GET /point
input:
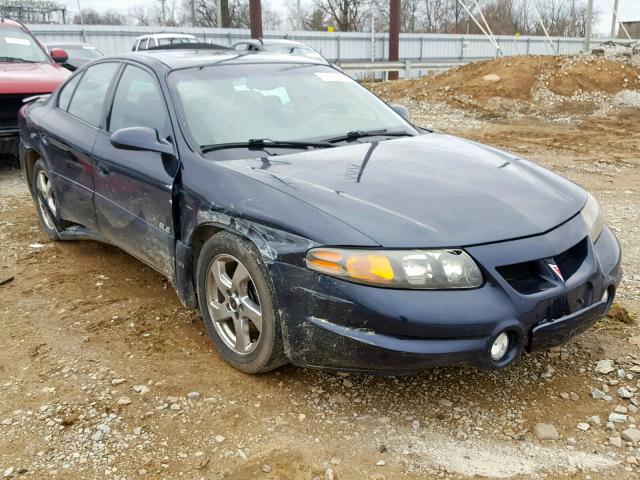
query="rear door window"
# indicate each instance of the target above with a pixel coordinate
(88, 100)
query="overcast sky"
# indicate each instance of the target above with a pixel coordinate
(627, 9)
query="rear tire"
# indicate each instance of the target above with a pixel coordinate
(238, 305)
(44, 197)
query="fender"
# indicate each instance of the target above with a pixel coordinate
(270, 242)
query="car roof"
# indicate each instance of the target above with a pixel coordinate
(277, 41)
(5, 22)
(272, 41)
(176, 59)
(166, 35)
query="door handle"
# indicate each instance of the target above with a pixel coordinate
(103, 170)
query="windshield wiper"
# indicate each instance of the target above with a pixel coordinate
(16, 59)
(368, 133)
(262, 143)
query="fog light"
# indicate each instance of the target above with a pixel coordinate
(500, 347)
(605, 296)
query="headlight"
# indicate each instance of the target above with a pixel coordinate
(592, 216)
(418, 269)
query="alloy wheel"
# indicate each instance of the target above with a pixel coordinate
(46, 201)
(234, 304)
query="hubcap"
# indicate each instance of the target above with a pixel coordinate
(45, 199)
(234, 304)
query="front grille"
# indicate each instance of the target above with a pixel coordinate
(536, 276)
(9, 106)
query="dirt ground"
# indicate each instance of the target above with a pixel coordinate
(104, 374)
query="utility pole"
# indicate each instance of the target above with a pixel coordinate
(219, 13)
(394, 34)
(255, 18)
(587, 27)
(193, 13)
(614, 19)
(299, 14)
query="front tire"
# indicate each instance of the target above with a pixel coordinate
(238, 305)
(46, 205)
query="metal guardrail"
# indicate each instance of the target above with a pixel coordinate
(399, 66)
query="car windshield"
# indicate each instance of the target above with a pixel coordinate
(279, 102)
(293, 50)
(16, 45)
(82, 52)
(175, 40)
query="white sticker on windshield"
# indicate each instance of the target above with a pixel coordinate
(17, 41)
(88, 47)
(332, 77)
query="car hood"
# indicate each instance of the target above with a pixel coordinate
(24, 78)
(432, 190)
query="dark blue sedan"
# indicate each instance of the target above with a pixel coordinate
(309, 221)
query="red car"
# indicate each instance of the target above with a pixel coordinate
(26, 69)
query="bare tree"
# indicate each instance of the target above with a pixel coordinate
(348, 15)
(88, 16)
(140, 14)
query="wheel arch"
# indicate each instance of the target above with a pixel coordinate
(188, 250)
(31, 156)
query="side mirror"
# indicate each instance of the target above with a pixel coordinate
(140, 138)
(59, 55)
(401, 110)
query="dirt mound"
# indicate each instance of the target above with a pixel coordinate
(529, 81)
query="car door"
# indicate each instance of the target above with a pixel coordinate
(68, 134)
(134, 188)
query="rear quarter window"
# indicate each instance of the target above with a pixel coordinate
(67, 92)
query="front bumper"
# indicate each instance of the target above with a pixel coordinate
(332, 324)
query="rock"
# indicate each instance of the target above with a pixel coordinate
(219, 438)
(381, 463)
(564, 395)
(338, 398)
(7, 421)
(615, 442)
(266, 468)
(631, 435)
(583, 426)
(193, 395)
(443, 402)
(594, 420)
(141, 389)
(118, 381)
(347, 383)
(631, 460)
(491, 77)
(137, 431)
(598, 394)
(329, 475)
(634, 340)
(546, 431)
(175, 406)
(301, 417)
(97, 436)
(124, 401)
(617, 417)
(604, 367)
(623, 392)
(620, 409)
(8, 472)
